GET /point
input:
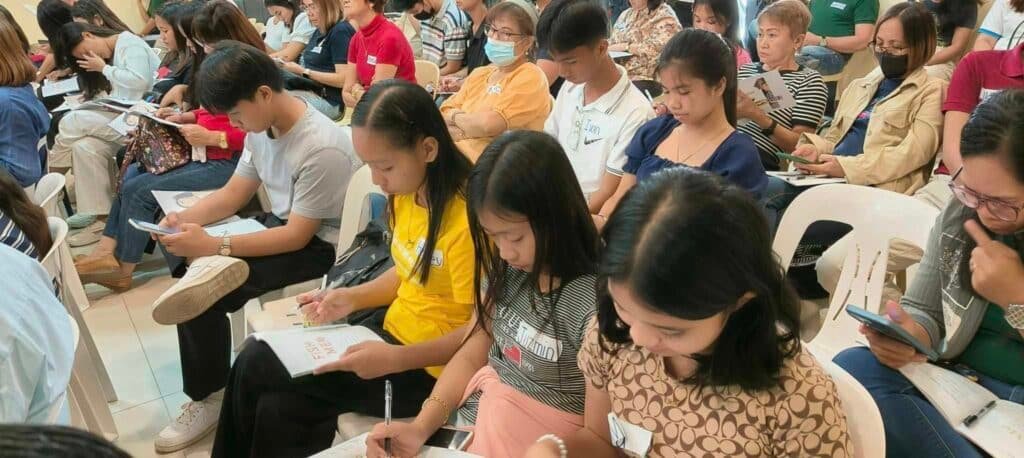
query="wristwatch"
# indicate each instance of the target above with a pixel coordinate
(225, 246)
(223, 140)
(1015, 316)
(768, 131)
(823, 42)
(305, 72)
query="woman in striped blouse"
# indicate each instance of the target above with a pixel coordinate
(22, 223)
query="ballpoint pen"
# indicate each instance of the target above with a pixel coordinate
(387, 416)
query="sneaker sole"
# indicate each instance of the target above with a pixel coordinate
(176, 448)
(192, 301)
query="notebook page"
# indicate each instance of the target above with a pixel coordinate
(954, 395)
(1000, 431)
(304, 349)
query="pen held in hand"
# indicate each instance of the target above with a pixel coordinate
(387, 416)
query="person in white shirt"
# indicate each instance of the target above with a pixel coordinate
(1003, 27)
(36, 346)
(288, 29)
(598, 109)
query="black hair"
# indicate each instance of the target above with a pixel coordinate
(706, 56)
(403, 5)
(181, 19)
(44, 441)
(70, 36)
(51, 15)
(652, 4)
(527, 173)
(690, 245)
(232, 73)
(995, 127)
(177, 59)
(89, 9)
(726, 11)
(219, 20)
(25, 214)
(405, 114)
(287, 4)
(574, 23)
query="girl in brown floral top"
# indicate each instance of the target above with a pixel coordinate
(695, 350)
(642, 30)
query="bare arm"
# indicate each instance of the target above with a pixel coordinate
(222, 203)
(785, 139)
(626, 183)
(477, 125)
(951, 129)
(290, 51)
(955, 50)
(849, 44)
(451, 67)
(332, 79)
(383, 72)
(609, 184)
(984, 42)
(436, 352)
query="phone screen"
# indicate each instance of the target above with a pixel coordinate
(453, 439)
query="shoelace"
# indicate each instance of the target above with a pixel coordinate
(189, 410)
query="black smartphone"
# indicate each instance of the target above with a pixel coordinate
(890, 329)
(792, 158)
(450, 438)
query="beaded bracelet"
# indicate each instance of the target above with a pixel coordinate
(562, 451)
(444, 406)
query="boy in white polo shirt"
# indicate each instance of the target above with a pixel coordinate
(598, 109)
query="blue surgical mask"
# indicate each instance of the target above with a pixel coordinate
(500, 53)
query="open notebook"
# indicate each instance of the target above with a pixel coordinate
(356, 448)
(997, 425)
(303, 349)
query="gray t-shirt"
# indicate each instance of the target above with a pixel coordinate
(305, 171)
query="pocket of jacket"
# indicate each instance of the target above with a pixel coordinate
(896, 120)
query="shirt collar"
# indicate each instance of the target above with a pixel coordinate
(607, 102)
(1012, 64)
(374, 25)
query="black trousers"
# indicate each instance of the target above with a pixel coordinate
(266, 413)
(204, 342)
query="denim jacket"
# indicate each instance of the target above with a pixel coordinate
(941, 298)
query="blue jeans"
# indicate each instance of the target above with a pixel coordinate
(136, 201)
(776, 198)
(913, 427)
(824, 60)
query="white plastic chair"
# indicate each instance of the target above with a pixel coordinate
(428, 75)
(877, 217)
(59, 265)
(863, 420)
(47, 193)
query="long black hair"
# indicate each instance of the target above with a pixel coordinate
(707, 56)
(89, 9)
(286, 4)
(51, 16)
(690, 245)
(184, 37)
(405, 114)
(70, 36)
(728, 12)
(996, 126)
(527, 173)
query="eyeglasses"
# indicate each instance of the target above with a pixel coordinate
(1003, 211)
(894, 50)
(502, 35)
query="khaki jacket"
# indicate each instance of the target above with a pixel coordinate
(903, 134)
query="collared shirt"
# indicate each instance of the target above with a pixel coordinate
(1004, 24)
(36, 345)
(381, 42)
(839, 18)
(981, 74)
(595, 136)
(23, 121)
(475, 55)
(446, 35)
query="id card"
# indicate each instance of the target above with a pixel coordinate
(633, 440)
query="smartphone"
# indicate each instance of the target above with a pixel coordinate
(792, 158)
(890, 329)
(150, 227)
(450, 438)
(44, 42)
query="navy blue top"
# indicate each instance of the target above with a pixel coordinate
(736, 158)
(322, 53)
(852, 143)
(23, 121)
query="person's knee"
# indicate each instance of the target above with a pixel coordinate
(829, 267)
(255, 361)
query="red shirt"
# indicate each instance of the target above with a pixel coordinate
(979, 75)
(220, 123)
(381, 42)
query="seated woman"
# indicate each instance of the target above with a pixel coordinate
(643, 30)
(954, 22)
(378, 50)
(23, 224)
(475, 55)
(966, 300)
(722, 17)
(120, 249)
(121, 65)
(23, 117)
(399, 133)
(324, 62)
(510, 93)
(97, 13)
(177, 63)
(781, 28)
(698, 71)
(672, 356)
(888, 125)
(51, 15)
(539, 253)
(288, 29)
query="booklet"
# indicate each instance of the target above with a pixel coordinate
(60, 87)
(302, 350)
(236, 227)
(356, 448)
(995, 425)
(768, 91)
(801, 179)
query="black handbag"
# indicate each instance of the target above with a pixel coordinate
(367, 258)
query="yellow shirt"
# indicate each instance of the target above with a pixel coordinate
(424, 312)
(521, 98)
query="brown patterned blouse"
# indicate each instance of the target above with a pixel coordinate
(801, 417)
(645, 32)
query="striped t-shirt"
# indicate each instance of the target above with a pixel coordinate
(445, 36)
(811, 96)
(11, 235)
(535, 347)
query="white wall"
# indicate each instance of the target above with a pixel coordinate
(127, 10)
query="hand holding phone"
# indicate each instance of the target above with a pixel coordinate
(792, 158)
(890, 340)
(146, 226)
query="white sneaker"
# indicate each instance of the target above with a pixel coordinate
(207, 280)
(197, 419)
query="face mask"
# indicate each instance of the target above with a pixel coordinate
(500, 53)
(892, 66)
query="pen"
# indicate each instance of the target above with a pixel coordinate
(974, 417)
(323, 286)
(649, 98)
(387, 416)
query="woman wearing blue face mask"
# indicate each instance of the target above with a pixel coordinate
(511, 93)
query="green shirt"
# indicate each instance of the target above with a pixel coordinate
(997, 350)
(154, 7)
(839, 18)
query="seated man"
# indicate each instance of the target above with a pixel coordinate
(838, 29)
(444, 31)
(305, 162)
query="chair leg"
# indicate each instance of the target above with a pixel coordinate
(89, 399)
(74, 296)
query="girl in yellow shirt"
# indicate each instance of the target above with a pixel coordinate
(399, 133)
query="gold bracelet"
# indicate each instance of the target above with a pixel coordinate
(444, 406)
(223, 140)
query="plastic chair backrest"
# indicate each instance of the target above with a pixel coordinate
(877, 217)
(356, 212)
(428, 75)
(48, 191)
(52, 262)
(863, 420)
